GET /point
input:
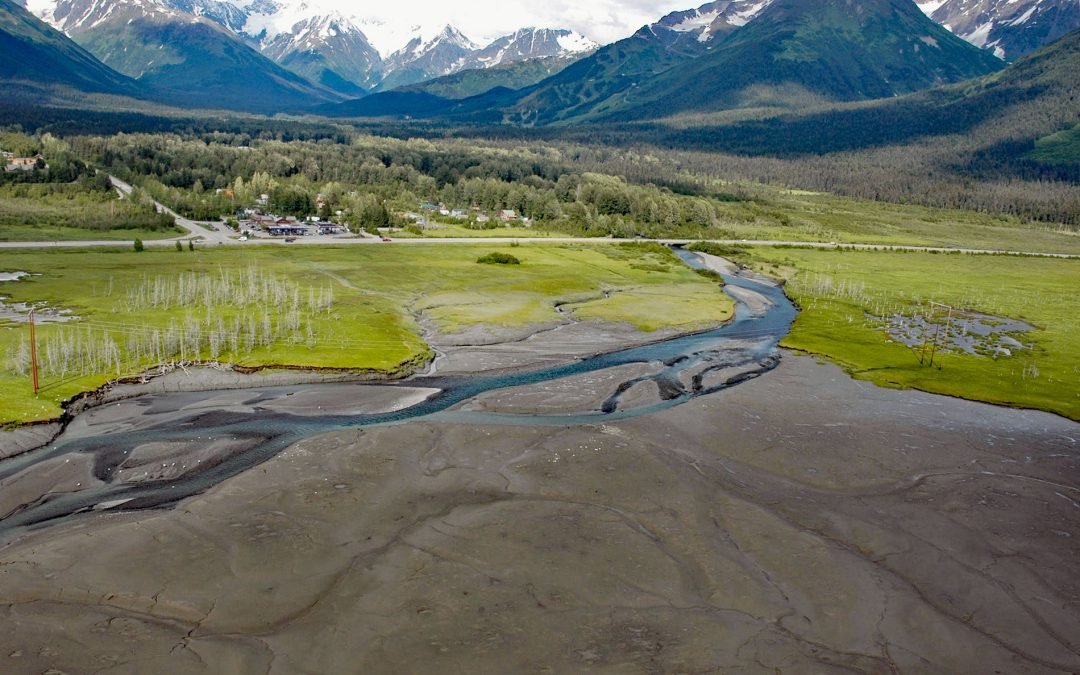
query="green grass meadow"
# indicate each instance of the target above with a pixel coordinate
(1039, 291)
(379, 293)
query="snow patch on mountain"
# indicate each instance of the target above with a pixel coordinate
(713, 18)
(1010, 28)
(575, 43)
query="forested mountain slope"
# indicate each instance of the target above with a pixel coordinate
(799, 50)
(32, 51)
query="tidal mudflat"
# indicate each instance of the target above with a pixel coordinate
(801, 522)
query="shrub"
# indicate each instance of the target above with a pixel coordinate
(498, 259)
(138, 246)
(712, 248)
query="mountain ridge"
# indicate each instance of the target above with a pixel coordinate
(830, 48)
(1009, 28)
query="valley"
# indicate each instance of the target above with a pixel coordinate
(558, 337)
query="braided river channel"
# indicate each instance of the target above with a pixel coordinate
(693, 365)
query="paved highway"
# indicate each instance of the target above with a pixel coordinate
(215, 234)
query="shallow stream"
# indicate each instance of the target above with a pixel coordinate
(692, 365)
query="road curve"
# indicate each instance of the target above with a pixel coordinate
(195, 230)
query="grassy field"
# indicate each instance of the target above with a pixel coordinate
(1060, 148)
(776, 214)
(794, 215)
(350, 307)
(840, 292)
(46, 233)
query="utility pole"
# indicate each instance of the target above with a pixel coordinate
(937, 330)
(33, 353)
(926, 335)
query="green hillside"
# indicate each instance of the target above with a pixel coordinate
(814, 48)
(195, 64)
(317, 68)
(1032, 99)
(30, 50)
(473, 82)
(604, 75)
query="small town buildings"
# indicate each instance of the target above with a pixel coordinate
(258, 221)
(459, 213)
(13, 163)
(507, 215)
(331, 228)
(294, 230)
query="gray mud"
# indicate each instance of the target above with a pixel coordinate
(801, 522)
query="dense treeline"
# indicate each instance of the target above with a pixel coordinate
(31, 118)
(209, 170)
(68, 193)
(944, 148)
(86, 204)
(209, 177)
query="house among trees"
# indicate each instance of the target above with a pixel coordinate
(507, 215)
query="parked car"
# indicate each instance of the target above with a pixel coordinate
(289, 240)
(386, 239)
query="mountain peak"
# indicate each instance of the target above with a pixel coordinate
(713, 19)
(1009, 28)
(455, 37)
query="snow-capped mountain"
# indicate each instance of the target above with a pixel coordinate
(224, 13)
(450, 51)
(714, 18)
(77, 16)
(370, 51)
(421, 60)
(328, 49)
(1010, 28)
(530, 43)
(348, 53)
(181, 56)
